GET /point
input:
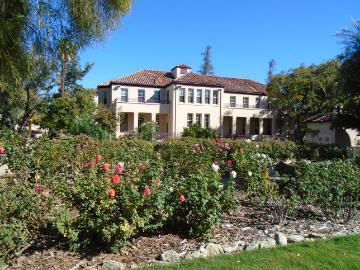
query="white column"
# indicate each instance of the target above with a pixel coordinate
(247, 127)
(136, 121)
(153, 117)
(273, 125)
(261, 128)
(234, 125)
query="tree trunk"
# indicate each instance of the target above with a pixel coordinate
(62, 74)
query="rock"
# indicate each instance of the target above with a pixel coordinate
(295, 238)
(314, 235)
(170, 256)
(113, 265)
(280, 239)
(253, 246)
(214, 249)
(231, 248)
(269, 243)
(20, 260)
(200, 253)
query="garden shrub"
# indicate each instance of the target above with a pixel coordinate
(25, 209)
(196, 131)
(333, 186)
(148, 131)
(321, 152)
(87, 125)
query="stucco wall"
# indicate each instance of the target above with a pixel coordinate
(326, 135)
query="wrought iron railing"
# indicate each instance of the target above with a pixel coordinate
(142, 100)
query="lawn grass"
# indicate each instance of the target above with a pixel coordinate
(336, 253)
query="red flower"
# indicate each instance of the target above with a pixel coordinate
(111, 193)
(90, 163)
(2, 150)
(119, 168)
(116, 179)
(105, 167)
(229, 163)
(155, 182)
(181, 198)
(98, 158)
(38, 187)
(217, 140)
(141, 168)
(147, 191)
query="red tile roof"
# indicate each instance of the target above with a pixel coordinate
(181, 66)
(153, 78)
(321, 118)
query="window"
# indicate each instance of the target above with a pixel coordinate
(124, 95)
(320, 139)
(191, 95)
(182, 95)
(257, 102)
(189, 119)
(199, 96)
(157, 119)
(215, 97)
(207, 120)
(232, 101)
(327, 139)
(157, 96)
(182, 70)
(105, 97)
(245, 102)
(207, 96)
(141, 95)
(198, 119)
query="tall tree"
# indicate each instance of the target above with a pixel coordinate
(207, 67)
(272, 65)
(349, 109)
(54, 31)
(305, 91)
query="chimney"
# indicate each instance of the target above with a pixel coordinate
(180, 70)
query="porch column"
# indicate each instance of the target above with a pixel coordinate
(261, 128)
(247, 127)
(136, 121)
(273, 125)
(153, 117)
(233, 126)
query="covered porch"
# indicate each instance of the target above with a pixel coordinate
(254, 128)
(130, 122)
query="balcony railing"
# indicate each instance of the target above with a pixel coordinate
(246, 106)
(142, 100)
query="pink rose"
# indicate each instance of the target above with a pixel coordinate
(229, 163)
(38, 187)
(2, 150)
(116, 179)
(154, 182)
(217, 140)
(119, 168)
(181, 199)
(105, 167)
(111, 193)
(98, 158)
(147, 191)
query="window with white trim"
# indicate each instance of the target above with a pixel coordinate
(232, 101)
(257, 102)
(124, 94)
(207, 96)
(245, 102)
(215, 96)
(207, 120)
(182, 95)
(190, 95)
(198, 119)
(189, 119)
(198, 96)
(141, 95)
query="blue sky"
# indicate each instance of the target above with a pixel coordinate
(244, 34)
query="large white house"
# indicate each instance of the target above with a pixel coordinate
(176, 99)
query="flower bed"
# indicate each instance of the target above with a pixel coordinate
(108, 192)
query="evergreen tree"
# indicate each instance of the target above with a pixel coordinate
(207, 68)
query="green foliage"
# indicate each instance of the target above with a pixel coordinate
(148, 131)
(85, 124)
(305, 92)
(61, 112)
(196, 131)
(333, 186)
(106, 118)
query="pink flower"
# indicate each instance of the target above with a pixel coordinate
(229, 163)
(197, 148)
(227, 146)
(217, 140)
(141, 168)
(2, 150)
(98, 158)
(45, 193)
(162, 170)
(90, 163)
(181, 198)
(116, 179)
(111, 193)
(105, 167)
(147, 191)
(119, 168)
(154, 182)
(38, 187)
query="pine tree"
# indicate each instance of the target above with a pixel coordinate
(207, 68)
